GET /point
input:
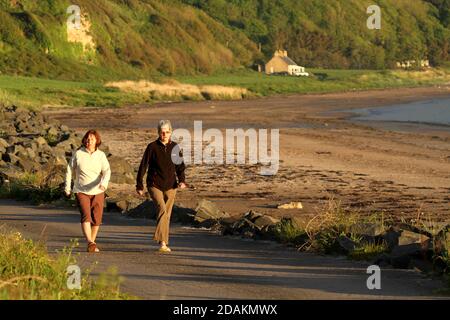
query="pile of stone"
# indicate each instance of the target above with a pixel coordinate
(32, 143)
(406, 245)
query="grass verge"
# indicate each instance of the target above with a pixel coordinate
(27, 272)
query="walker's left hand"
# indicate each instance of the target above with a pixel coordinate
(182, 185)
(102, 188)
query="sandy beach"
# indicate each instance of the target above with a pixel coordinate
(323, 155)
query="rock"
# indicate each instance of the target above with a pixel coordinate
(408, 249)
(12, 139)
(231, 219)
(54, 174)
(291, 205)
(10, 173)
(441, 242)
(402, 255)
(40, 141)
(391, 237)
(265, 221)
(3, 144)
(15, 149)
(10, 158)
(52, 132)
(145, 209)
(31, 153)
(252, 215)
(244, 225)
(408, 237)
(182, 214)
(122, 171)
(347, 244)
(368, 229)
(28, 165)
(207, 210)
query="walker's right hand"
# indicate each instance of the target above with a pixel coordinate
(140, 192)
(67, 194)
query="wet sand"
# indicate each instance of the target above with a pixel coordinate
(323, 155)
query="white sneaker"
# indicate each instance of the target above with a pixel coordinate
(164, 249)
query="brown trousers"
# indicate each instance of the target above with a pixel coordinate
(91, 207)
(163, 201)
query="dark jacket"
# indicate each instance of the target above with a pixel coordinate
(162, 171)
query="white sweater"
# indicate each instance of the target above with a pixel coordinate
(91, 171)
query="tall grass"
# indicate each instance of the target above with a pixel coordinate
(38, 187)
(27, 272)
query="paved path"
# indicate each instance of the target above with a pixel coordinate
(204, 265)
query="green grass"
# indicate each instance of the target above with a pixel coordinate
(27, 272)
(367, 251)
(288, 232)
(35, 187)
(37, 92)
(322, 80)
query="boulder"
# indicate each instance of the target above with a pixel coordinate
(15, 149)
(346, 244)
(122, 171)
(182, 214)
(265, 221)
(54, 174)
(252, 215)
(441, 241)
(28, 165)
(367, 229)
(9, 172)
(408, 237)
(3, 145)
(391, 237)
(207, 210)
(145, 209)
(10, 158)
(402, 255)
(40, 141)
(52, 132)
(243, 226)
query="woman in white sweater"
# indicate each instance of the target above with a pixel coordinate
(91, 172)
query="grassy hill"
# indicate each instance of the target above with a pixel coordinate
(129, 39)
(334, 34)
(147, 38)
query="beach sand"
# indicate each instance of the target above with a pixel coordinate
(323, 156)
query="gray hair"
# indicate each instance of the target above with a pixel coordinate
(164, 123)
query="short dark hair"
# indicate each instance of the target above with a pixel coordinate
(97, 137)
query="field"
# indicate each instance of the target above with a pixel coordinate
(39, 93)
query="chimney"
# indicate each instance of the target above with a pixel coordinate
(285, 53)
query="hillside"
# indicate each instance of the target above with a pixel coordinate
(334, 34)
(128, 38)
(147, 38)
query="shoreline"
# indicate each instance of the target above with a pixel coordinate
(399, 174)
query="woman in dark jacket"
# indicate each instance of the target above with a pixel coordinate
(162, 181)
